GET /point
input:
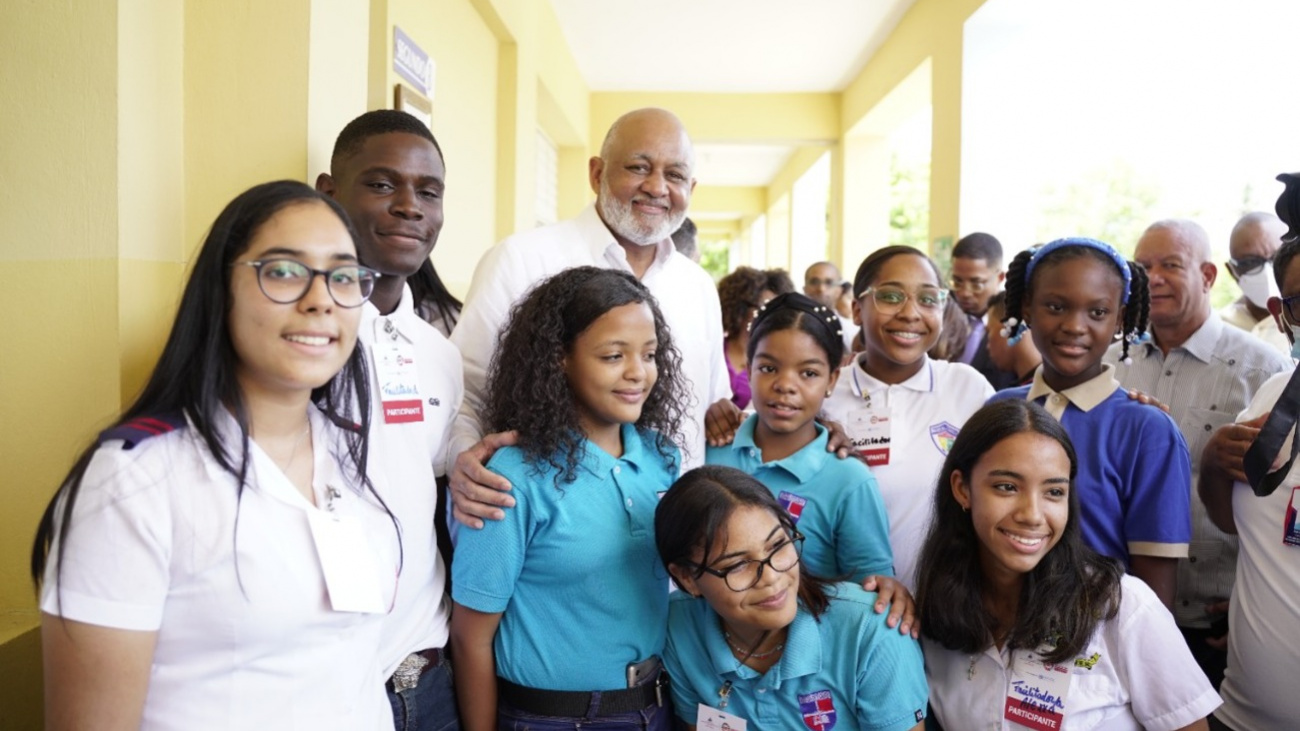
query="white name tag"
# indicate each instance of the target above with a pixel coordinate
(1038, 693)
(399, 381)
(709, 718)
(870, 431)
(348, 563)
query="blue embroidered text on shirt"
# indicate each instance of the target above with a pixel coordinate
(818, 709)
(793, 504)
(1036, 696)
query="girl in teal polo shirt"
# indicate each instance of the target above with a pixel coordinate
(754, 642)
(794, 351)
(561, 606)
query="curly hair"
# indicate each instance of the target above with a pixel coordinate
(1063, 598)
(740, 293)
(528, 391)
(1019, 291)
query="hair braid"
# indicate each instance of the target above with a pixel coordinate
(1138, 309)
(1015, 289)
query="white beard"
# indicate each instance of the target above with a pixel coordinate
(624, 222)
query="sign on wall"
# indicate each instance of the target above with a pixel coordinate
(412, 63)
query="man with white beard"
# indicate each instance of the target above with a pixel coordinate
(643, 180)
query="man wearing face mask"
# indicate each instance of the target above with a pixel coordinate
(1251, 248)
(1206, 372)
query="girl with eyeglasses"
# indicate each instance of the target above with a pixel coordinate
(560, 607)
(754, 638)
(1022, 624)
(220, 557)
(901, 408)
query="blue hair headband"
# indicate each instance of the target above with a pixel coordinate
(1101, 246)
(1015, 330)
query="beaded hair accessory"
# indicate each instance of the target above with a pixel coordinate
(795, 301)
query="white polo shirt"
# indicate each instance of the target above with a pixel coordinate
(1135, 673)
(925, 413)
(246, 635)
(1260, 687)
(410, 453)
(685, 293)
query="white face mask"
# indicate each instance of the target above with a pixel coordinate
(1259, 286)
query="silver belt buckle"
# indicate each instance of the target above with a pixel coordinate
(407, 674)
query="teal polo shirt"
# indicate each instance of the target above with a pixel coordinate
(574, 568)
(834, 502)
(847, 670)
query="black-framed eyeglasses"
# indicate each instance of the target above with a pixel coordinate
(285, 281)
(1249, 264)
(744, 575)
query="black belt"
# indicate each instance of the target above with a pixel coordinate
(576, 703)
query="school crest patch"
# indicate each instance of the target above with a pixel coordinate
(793, 504)
(818, 709)
(943, 435)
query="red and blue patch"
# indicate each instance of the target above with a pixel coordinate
(818, 709)
(793, 504)
(943, 435)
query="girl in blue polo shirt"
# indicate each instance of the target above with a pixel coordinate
(793, 350)
(1076, 296)
(752, 638)
(1023, 625)
(560, 607)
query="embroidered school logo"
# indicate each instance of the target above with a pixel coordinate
(943, 435)
(818, 710)
(793, 504)
(1087, 662)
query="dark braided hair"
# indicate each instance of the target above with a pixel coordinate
(528, 391)
(1137, 308)
(794, 311)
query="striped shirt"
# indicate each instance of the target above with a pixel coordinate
(1205, 382)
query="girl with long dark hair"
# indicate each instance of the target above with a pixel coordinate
(219, 558)
(1023, 625)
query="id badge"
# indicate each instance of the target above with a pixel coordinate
(399, 381)
(1037, 696)
(1291, 526)
(347, 561)
(869, 428)
(709, 718)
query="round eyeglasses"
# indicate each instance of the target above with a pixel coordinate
(891, 300)
(285, 281)
(744, 575)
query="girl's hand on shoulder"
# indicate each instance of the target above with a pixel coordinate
(721, 422)
(477, 493)
(892, 595)
(1147, 399)
(837, 440)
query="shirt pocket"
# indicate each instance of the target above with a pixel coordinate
(1197, 427)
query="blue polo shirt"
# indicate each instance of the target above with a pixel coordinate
(574, 568)
(834, 502)
(846, 670)
(1134, 469)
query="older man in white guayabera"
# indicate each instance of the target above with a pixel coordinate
(1206, 372)
(643, 180)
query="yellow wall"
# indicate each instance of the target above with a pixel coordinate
(129, 123)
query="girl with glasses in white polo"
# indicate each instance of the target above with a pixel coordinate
(219, 558)
(900, 408)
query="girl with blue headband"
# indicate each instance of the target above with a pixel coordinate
(1075, 296)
